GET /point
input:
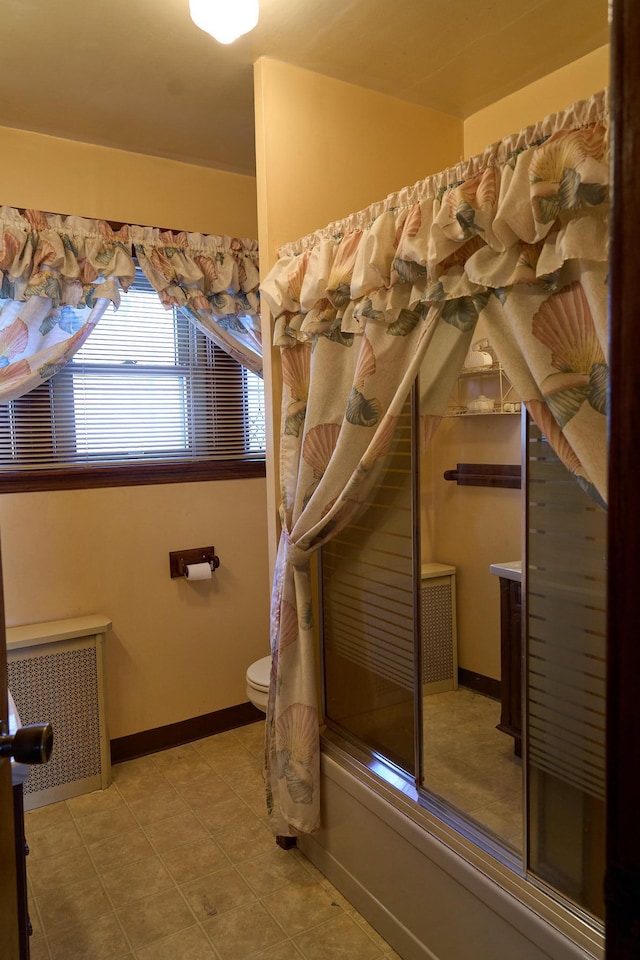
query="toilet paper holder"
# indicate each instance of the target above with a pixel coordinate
(179, 560)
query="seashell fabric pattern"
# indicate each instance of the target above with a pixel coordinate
(296, 366)
(63, 272)
(319, 444)
(516, 238)
(565, 325)
(297, 750)
(362, 411)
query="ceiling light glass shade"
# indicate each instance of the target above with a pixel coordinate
(225, 20)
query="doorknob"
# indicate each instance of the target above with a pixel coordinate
(30, 744)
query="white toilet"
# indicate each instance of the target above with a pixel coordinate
(258, 676)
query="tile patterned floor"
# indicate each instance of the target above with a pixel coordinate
(471, 764)
(175, 862)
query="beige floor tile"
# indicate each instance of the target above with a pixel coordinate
(116, 851)
(136, 774)
(469, 796)
(282, 951)
(148, 789)
(255, 798)
(182, 764)
(310, 868)
(340, 939)
(272, 870)
(103, 939)
(221, 816)
(134, 881)
(371, 932)
(164, 803)
(186, 771)
(246, 779)
(243, 932)
(53, 841)
(106, 824)
(194, 860)
(301, 905)
(154, 786)
(73, 904)
(337, 899)
(453, 767)
(50, 872)
(175, 831)
(239, 766)
(219, 747)
(155, 918)
(206, 790)
(252, 738)
(216, 893)
(39, 950)
(167, 758)
(48, 816)
(190, 944)
(95, 802)
(248, 838)
(500, 817)
(34, 917)
(196, 854)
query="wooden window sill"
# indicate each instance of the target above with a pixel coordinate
(85, 477)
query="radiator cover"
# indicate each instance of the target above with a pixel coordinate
(55, 674)
(439, 647)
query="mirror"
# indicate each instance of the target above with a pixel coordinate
(471, 737)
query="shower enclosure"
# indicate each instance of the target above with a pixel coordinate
(372, 669)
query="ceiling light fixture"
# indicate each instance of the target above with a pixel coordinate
(225, 20)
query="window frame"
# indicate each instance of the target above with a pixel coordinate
(139, 474)
(155, 470)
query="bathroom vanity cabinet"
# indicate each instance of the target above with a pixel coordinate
(510, 651)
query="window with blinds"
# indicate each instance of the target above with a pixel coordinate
(146, 387)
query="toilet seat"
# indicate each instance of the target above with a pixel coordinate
(259, 673)
(258, 678)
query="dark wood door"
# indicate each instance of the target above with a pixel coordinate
(623, 630)
(9, 925)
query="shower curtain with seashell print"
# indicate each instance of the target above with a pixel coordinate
(517, 236)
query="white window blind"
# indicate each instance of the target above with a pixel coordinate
(146, 386)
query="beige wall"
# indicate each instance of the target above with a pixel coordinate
(473, 527)
(177, 650)
(557, 91)
(326, 149)
(67, 177)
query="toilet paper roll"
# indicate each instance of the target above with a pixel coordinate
(198, 571)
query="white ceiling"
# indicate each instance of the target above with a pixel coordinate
(139, 75)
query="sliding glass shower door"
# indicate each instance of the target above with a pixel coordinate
(369, 614)
(565, 610)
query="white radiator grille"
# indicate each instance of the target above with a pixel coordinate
(60, 689)
(60, 682)
(438, 634)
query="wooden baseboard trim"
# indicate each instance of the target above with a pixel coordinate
(481, 684)
(174, 734)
